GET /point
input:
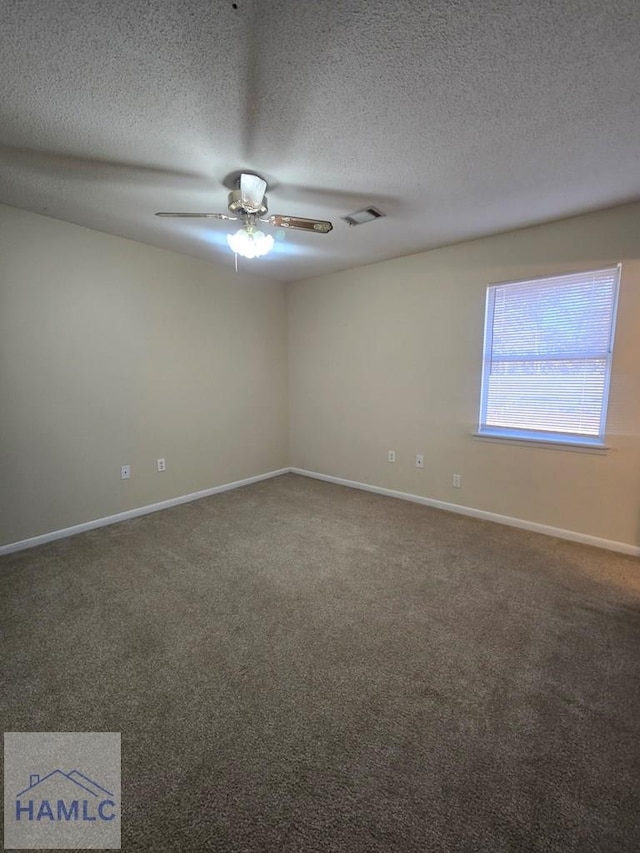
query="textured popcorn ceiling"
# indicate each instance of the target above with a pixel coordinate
(458, 118)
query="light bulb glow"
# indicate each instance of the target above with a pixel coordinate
(250, 242)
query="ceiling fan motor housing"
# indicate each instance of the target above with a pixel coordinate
(236, 204)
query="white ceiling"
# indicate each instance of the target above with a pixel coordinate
(457, 118)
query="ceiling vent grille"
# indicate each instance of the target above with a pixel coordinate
(367, 214)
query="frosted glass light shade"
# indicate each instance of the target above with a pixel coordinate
(250, 243)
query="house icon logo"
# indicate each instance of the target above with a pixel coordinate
(61, 796)
(62, 791)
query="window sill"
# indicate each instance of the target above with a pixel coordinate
(549, 444)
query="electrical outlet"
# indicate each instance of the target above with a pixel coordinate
(419, 460)
(391, 456)
(162, 465)
(457, 481)
(125, 472)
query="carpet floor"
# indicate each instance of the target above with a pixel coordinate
(296, 666)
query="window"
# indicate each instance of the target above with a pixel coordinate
(547, 358)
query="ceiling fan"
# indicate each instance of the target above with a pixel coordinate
(248, 205)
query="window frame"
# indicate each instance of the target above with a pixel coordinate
(527, 435)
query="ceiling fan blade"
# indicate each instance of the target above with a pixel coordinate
(196, 215)
(252, 190)
(321, 226)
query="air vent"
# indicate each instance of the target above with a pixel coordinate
(367, 214)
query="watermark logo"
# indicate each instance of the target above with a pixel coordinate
(62, 809)
(40, 805)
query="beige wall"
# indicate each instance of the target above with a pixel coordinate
(388, 356)
(112, 352)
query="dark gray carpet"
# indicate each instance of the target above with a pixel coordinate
(296, 666)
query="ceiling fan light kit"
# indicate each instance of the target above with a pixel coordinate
(248, 204)
(250, 242)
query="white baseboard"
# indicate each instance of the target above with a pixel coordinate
(133, 513)
(571, 535)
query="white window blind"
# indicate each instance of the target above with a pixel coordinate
(547, 357)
